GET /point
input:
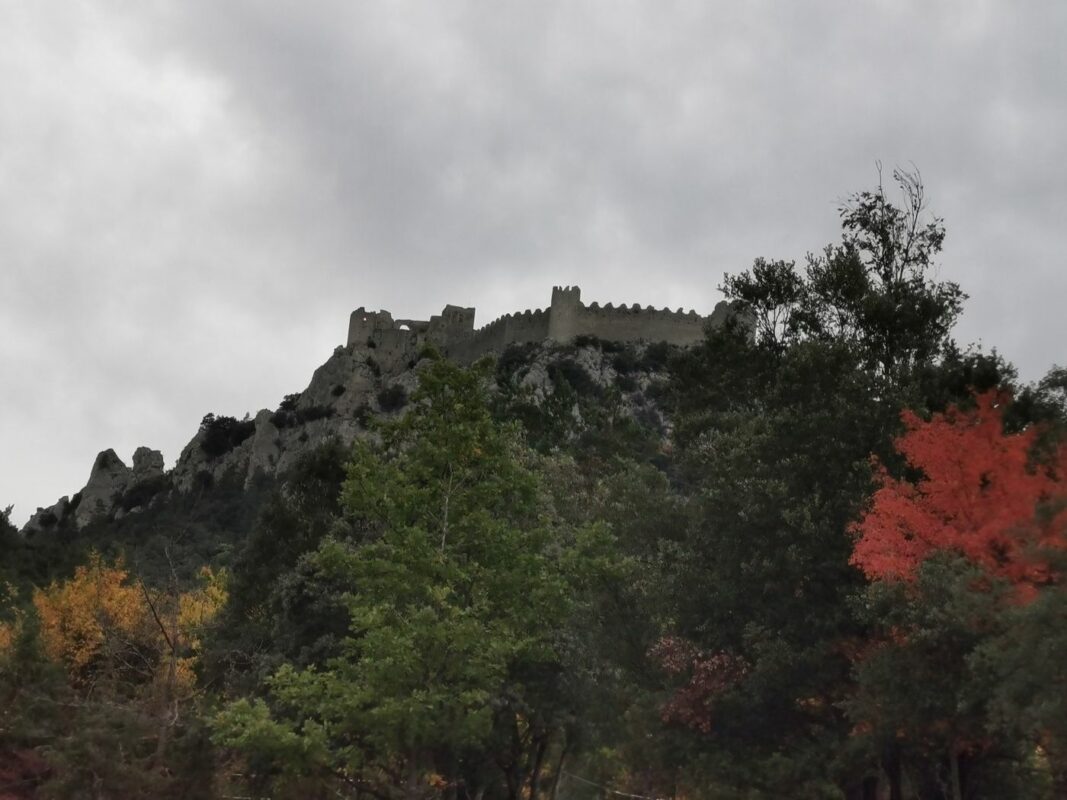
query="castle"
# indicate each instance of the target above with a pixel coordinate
(452, 331)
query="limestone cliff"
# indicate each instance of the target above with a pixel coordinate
(353, 385)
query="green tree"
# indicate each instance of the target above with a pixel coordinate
(873, 289)
(456, 592)
(919, 696)
(776, 421)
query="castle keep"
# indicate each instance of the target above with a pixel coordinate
(453, 333)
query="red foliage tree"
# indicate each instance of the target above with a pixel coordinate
(708, 675)
(980, 495)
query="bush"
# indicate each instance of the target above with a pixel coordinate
(656, 356)
(338, 390)
(373, 366)
(362, 414)
(515, 356)
(428, 351)
(392, 398)
(625, 362)
(575, 376)
(141, 493)
(223, 434)
(300, 416)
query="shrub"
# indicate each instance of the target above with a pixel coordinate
(312, 413)
(625, 362)
(141, 493)
(515, 355)
(373, 366)
(570, 371)
(656, 356)
(362, 414)
(300, 416)
(428, 351)
(392, 398)
(338, 390)
(223, 434)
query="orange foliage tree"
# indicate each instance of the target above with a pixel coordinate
(981, 494)
(101, 621)
(94, 614)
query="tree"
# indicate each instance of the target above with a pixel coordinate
(919, 698)
(454, 597)
(775, 425)
(121, 720)
(979, 494)
(872, 289)
(965, 552)
(1026, 669)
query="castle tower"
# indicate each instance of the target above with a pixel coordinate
(363, 324)
(563, 314)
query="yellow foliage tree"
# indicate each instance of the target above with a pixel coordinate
(101, 619)
(96, 615)
(128, 651)
(9, 630)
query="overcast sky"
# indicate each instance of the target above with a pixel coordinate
(195, 195)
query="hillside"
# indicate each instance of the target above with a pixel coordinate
(817, 552)
(565, 396)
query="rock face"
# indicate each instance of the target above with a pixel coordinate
(354, 384)
(113, 490)
(107, 481)
(147, 463)
(46, 518)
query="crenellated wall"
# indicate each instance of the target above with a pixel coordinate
(398, 341)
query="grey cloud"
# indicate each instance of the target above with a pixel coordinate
(194, 195)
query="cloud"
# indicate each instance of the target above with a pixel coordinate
(194, 195)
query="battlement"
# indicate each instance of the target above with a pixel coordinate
(567, 317)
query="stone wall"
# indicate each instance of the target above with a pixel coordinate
(396, 342)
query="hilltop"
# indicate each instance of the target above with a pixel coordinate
(595, 355)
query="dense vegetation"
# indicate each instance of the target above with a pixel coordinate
(825, 562)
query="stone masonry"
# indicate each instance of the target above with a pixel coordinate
(452, 331)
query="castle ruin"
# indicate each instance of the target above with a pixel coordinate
(452, 331)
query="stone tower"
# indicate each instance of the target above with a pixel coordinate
(563, 315)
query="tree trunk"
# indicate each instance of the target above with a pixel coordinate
(866, 789)
(535, 774)
(554, 791)
(954, 775)
(891, 765)
(412, 787)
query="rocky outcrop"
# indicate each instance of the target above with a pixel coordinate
(113, 490)
(47, 518)
(107, 481)
(147, 464)
(343, 394)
